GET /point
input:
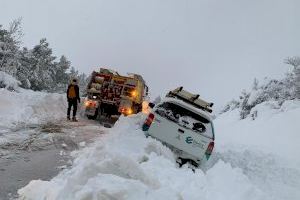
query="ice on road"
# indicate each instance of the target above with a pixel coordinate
(43, 152)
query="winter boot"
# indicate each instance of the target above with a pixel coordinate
(74, 119)
(68, 117)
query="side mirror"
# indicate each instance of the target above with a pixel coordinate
(147, 91)
(151, 105)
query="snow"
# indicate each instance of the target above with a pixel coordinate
(253, 159)
(26, 108)
(254, 96)
(274, 130)
(8, 82)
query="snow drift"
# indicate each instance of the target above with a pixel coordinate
(8, 82)
(252, 160)
(29, 107)
(26, 108)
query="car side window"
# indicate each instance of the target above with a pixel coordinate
(183, 117)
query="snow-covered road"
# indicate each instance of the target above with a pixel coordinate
(123, 164)
(252, 159)
(41, 151)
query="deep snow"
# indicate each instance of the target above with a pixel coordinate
(36, 139)
(26, 108)
(253, 159)
(8, 82)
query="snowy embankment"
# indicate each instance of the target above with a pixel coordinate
(27, 107)
(22, 108)
(274, 129)
(126, 165)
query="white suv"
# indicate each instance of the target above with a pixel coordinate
(184, 128)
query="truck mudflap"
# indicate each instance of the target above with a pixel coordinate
(91, 108)
(90, 111)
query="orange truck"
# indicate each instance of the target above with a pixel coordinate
(109, 93)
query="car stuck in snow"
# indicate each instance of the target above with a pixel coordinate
(182, 121)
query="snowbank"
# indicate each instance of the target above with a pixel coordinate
(29, 107)
(8, 82)
(253, 159)
(126, 165)
(265, 147)
(274, 129)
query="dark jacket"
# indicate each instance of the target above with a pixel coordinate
(76, 92)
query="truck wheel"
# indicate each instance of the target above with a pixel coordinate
(90, 117)
(138, 108)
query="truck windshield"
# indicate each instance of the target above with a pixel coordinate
(186, 118)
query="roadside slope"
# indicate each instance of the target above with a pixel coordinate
(125, 165)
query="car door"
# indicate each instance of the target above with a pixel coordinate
(167, 128)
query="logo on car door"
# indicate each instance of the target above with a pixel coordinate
(189, 140)
(195, 143)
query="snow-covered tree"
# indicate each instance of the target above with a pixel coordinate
(297, 82)
(83, 82)
(9, 46)
(270, 90)
(35, 68)
(43, 67)
(73, 73)
(295, 62)
(61, 75)
(24, 69)
(255, 84)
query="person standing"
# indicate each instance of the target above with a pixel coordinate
(73, 98)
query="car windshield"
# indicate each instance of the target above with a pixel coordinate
(184, 117)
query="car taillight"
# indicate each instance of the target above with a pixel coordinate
(148, 122)
(209, 150)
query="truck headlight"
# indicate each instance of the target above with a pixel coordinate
(134, 93)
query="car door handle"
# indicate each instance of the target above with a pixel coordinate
(180, 130)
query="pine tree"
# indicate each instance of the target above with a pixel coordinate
(245, 107)
(73, 73)
(255, 84)
(24, 69)
(61, 76)
(43, 67)
(295, 62)
(9, 46)
(83, 82)
(297, 81)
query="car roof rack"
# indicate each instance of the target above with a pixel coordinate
(191, 99)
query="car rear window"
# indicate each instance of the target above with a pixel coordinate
(185, 118)
(175, 112)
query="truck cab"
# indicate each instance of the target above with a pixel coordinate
(110, 93)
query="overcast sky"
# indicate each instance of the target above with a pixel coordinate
(211, 47)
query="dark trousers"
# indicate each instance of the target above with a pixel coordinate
(72, 102)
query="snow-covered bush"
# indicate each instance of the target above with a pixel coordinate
(8, 82)
(269, 90)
